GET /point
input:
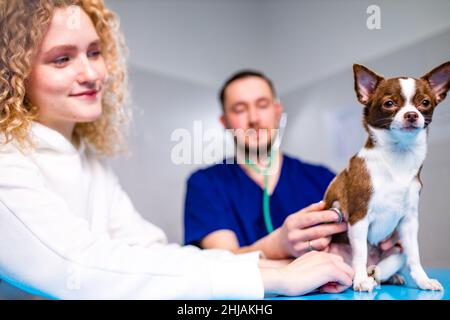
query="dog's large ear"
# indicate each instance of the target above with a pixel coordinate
(366, 81)
(439, 81)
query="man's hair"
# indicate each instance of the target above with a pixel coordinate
(241, 75)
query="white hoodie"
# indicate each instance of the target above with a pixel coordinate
(68, 231)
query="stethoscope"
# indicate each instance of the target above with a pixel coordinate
(266, 172)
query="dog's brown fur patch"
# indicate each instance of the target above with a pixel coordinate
(375, 114)
(352, 189)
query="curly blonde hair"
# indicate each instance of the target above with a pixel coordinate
(23, 24)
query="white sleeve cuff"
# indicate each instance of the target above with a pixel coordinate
(251, 256)
(238, 278)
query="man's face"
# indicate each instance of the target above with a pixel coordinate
(250, 106)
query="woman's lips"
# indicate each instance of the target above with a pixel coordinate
(91, 94)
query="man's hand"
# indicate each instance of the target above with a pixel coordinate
(308, 229)
(305, 230)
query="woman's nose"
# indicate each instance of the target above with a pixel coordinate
(87, 71)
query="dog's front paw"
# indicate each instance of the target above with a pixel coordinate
(364, 284)
(429, 284)
(374, 272)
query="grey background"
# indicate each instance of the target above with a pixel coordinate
(181, 52)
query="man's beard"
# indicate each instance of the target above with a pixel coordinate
(246, 152)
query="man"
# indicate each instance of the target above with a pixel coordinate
(268, 201)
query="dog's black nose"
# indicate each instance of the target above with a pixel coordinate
(411, 116)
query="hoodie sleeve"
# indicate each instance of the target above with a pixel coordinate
(47, 250)
(125, 223)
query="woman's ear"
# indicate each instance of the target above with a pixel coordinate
(223, 121)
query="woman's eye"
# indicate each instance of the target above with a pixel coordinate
(389, 104)
(95, 53)
(425, 102)
(61, 61)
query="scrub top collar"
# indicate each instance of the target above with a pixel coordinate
(247, 177)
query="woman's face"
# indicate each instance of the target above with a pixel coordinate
(68, 72)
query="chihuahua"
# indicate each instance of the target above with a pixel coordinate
(379, 189)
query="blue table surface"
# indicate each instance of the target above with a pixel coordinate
(388, 292)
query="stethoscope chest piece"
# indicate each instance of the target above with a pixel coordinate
(340, 214)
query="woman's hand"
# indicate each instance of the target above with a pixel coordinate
(375, 253)
(308, 229)
(268, 263)
(392, 241)
(314, 270)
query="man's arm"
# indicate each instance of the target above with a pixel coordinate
(227, 239)
(292, 239)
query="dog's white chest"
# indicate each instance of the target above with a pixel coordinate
(389, 204)
(395, 192)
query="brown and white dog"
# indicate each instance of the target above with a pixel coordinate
(379, 190)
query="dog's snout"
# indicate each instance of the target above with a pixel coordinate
(411, 116)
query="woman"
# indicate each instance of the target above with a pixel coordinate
(67, 229)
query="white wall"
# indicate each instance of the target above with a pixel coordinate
(198, 41)
(295, 41)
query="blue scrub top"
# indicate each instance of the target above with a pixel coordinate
(223, 196)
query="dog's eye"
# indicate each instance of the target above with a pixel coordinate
(425, 102)
(389, 104)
